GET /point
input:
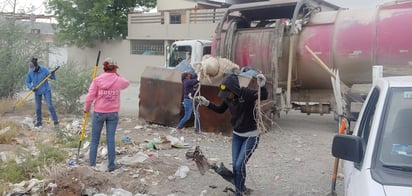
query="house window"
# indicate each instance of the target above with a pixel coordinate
(147, 47)
(175, 19)
(35, 31)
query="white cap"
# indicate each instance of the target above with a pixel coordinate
(110, 61)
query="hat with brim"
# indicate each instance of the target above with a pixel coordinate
(184, 75)
(229, 84)
(223, 94)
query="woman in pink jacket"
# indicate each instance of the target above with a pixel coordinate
(104, 94)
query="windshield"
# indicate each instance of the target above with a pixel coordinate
(396, 149)
(178, 54)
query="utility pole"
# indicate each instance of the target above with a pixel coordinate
(14, 6)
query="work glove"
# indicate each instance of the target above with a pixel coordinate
(202, 100)
(52, 72)
(261, 80)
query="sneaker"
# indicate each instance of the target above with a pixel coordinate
(56, 123)
(37, 125)
(115, 168)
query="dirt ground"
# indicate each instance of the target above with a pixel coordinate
(293, 158)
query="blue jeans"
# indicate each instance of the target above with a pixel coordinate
(242, 149)
(98, 121)
(188, 105)
(48, 98)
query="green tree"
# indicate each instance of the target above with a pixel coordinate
(83, 23)
(17, 46)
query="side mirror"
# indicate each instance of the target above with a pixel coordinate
(348, 147)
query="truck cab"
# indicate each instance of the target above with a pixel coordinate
(180, 50)
(378, 155)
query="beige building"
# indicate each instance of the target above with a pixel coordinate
(150, 33)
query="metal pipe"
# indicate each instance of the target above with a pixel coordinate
(290, 65)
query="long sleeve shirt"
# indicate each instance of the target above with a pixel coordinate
(33, 78)
(104, 91)
(189, 87)
(241, 109)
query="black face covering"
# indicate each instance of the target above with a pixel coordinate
(36, 65)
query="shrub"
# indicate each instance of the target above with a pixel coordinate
(71, 83)
(12, 172)
(13, 131)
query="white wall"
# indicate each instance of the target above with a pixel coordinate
(163, 5)
(57, 57)
(130, 66)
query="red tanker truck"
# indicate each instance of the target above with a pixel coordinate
(318, 58)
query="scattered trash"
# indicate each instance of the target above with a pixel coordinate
(3, 156)
(119, 192)
(137, 158)
(4, 130)
(72, 163)
(103, 166)
(86, 144)
(51, 186)
(204, 192)
(182, 171)
(177, 143)
(126, 139)
(151, 144)
(90, 191)
(26, 187)
(103, 152)
(138, 127)
(75, 123)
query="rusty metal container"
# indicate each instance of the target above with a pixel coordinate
(160, 96)
(160, 100)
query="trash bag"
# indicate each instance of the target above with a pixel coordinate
(224, 172)
(203, 165)
(200, 160)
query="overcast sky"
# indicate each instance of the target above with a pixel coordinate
(36, 5)
(29, 6)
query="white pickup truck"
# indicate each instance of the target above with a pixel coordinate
(378, 155)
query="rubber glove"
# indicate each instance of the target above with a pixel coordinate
(202, 100)
(261, 80)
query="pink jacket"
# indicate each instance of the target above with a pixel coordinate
(105, 93)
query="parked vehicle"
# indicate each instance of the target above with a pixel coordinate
(281, 38)
(180, 49)
(379, 152)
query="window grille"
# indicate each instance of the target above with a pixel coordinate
(147, 47)
(175, 19)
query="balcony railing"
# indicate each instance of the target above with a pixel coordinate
(149, 18)
(195, 24)
(195, 16)
(206, 16)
